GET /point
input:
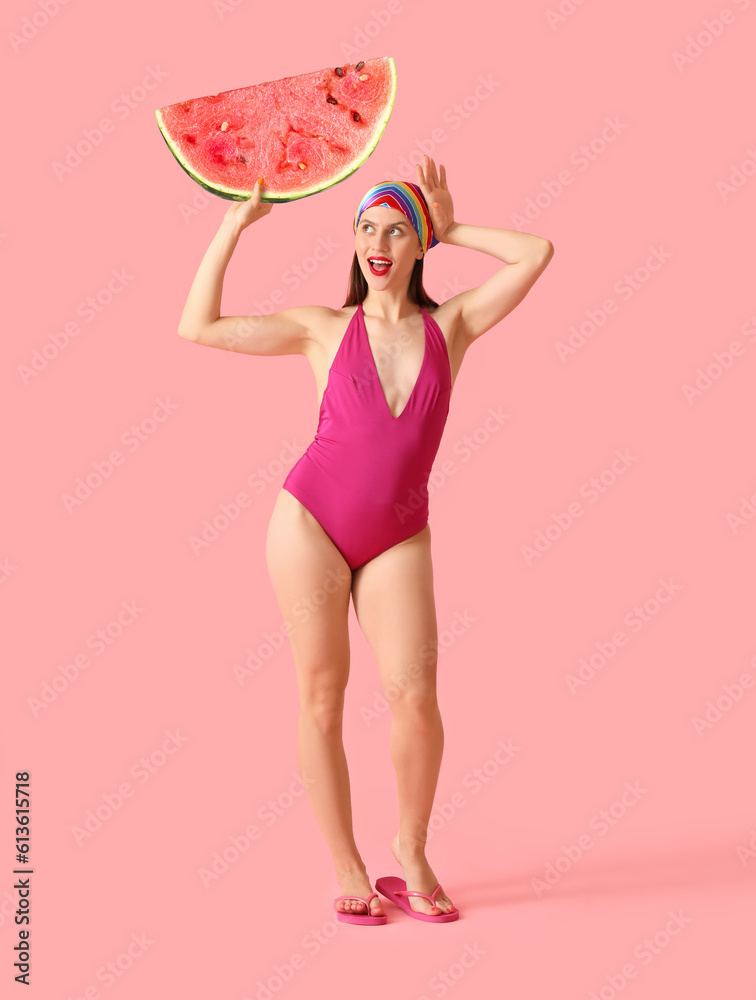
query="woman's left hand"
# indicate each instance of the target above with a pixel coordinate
(437, 196)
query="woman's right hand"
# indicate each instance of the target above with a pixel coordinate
(244, 213)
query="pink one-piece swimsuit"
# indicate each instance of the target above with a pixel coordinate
(364, 477)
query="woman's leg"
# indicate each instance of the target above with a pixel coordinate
(394, 601)
(312, 582)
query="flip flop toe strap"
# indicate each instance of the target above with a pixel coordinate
(412, 892)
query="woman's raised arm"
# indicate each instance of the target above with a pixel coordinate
(283, 332)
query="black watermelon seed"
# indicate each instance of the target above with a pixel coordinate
(332, 100)
(243, 159)
(356, 116)
(339, 71)
(359, 65)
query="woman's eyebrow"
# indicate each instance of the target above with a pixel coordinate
(389, 224)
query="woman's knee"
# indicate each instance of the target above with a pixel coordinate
(322, 705)
(418, 699)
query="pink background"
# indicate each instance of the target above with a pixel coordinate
(655, 184)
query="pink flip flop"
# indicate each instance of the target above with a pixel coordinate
(395, 889)
(359, 918)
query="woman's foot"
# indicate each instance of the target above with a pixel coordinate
(419, 877)
(357, 884)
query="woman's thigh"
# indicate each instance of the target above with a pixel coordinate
(395, 606)
(312, 583)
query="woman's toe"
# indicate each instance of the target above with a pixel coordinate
(423, 905)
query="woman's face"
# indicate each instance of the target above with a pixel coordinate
(388, 233)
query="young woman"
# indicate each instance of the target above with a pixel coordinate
(352, 516)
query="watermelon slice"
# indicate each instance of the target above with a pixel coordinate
(302, 133)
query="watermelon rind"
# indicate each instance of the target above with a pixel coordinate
(347, 171)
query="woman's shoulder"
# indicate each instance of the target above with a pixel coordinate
(326, 323)
(322, 317)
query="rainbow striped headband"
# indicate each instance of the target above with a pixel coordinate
(408, 199)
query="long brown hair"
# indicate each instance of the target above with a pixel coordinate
(358, 286)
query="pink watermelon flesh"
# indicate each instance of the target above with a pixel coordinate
(302, 133)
